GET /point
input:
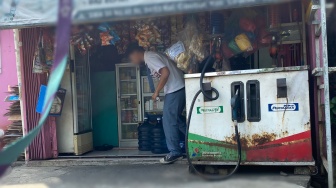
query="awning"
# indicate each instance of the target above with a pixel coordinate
(29, 13)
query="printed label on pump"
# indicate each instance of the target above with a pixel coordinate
(277, 107)
(210, 109)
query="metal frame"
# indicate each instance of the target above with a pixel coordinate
(321, 72)
(18, 44)
(324, 49)
(250, 71)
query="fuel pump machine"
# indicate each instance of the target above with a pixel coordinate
(271, 111)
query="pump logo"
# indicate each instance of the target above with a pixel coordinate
(283, 107)
(210, 109)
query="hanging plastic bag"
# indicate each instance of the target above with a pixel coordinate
(190, 47)
(243, 43)
(178, 54)
(234, 47)
(197, 47)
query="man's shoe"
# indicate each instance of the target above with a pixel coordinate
(169, 159)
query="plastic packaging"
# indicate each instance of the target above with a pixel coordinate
(147, 33)
(243, 43)
(108, 36)
(233, 47)
(189, 48)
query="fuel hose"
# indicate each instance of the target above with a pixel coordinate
(212, 177)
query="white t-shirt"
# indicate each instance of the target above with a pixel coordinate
(156, 61)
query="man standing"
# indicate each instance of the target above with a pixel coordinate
(172, 81)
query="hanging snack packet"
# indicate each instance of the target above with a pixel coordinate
(108, 36)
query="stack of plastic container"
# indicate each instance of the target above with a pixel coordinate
(159, 144)
(145, 136)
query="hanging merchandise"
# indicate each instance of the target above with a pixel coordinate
(124, 31)
(107, 35)
(227, 52)
(244, 43)
(246, 32)
(178, 54)
(39, 62)
(48, 46)
(189, 48)
(247, 24)
(82, 38)
(164, 25)
(148, 34)
(234, 47)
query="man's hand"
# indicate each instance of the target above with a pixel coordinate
(155, 95)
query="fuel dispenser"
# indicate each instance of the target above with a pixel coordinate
(268, 107)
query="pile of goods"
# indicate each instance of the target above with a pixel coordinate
(159, 144)
(190, 48)
(147, 33)
(245, 32)
(44, 52)
(14, 130)
(82, 38)
(151, 137)
(107, 35)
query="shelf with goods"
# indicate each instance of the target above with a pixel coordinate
(149, 106)
(128, 86)
(14, 129)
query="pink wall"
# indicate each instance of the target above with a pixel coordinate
(8, 74)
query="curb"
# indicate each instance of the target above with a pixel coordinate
(96, 162)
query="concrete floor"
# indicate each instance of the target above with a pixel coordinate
(154, 175)
(116, 152)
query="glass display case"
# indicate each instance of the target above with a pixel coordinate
(128, 86)
(148, 105)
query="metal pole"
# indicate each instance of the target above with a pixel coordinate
(17, 44)
(326, 93)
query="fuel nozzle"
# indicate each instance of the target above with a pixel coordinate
(234, 106)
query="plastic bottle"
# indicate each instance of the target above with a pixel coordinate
(159, 122)
(151, 104)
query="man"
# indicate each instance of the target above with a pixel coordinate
(172, 81)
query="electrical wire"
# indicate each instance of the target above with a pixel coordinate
(205, 176)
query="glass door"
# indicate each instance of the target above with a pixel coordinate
(148, 105)
(82, 94)
(128, 104)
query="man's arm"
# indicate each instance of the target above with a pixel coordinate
(163, 80)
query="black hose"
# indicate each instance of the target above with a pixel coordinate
(205, 176)
(201, 83)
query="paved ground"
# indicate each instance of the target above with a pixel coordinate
(145, 175)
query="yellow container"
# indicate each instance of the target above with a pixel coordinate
(243, 42)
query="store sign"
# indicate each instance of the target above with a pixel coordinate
(210, 110)
(283, 107)
(15, 13)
